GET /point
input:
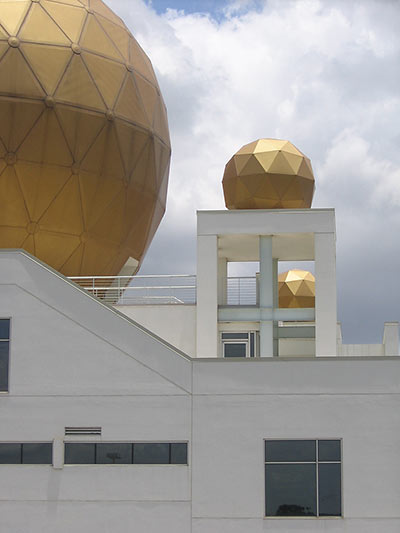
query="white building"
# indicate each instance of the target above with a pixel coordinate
(106, 426)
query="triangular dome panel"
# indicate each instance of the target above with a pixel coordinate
(16, 78)
(68, 17)
(40, 27)
(95, 39)
(46, 142)
(13, 212)
(64, 214)
(12, 14)
(77, 86)
(40, 185)
(109, 76)
(47, 62)
(17, 120)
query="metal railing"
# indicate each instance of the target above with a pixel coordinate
(163, 289)
(242, 291)
(141, 290)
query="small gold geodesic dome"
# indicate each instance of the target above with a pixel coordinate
(296, 289)
(84, 141)
(268, 174)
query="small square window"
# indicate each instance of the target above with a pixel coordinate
(239, 344)
(114, 454)
(37, 453)
(80, 453)
(10, 454)
(179, 454)
(235, 349)
(150, 453)
(4, 329)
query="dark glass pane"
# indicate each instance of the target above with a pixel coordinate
(289, 450)
(329, 450)
(79, 454)
(4, 328)
(4, 357)
(290, 490)
(114, 454)
(151, 453)
(179, 453)
(330, 489)
(37, 454)
(235, 350)
(234, 336)
(10, 454)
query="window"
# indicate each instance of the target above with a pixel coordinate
(146, 453)
(303, 478)
(38, 453)
(242, 344)
(4, 353)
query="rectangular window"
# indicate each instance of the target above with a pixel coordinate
(303, 478)
(146, 453)
(243, 344)
(4, 353)
(26, 453)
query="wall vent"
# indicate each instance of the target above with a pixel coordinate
(76, 431)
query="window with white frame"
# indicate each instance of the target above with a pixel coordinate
(4, 353)
(239, 344)
(303, 478)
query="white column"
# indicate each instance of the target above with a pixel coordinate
(391, 338)
(207, 296)
(267, 293)
(58, 453)
(325, 294)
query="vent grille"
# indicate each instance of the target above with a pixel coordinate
(82, 431)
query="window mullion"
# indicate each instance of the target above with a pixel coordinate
(317, 475)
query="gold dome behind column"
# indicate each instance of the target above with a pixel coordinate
(296, 289)
(84, 141)
(268, 174)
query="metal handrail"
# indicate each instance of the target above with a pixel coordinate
(141, 290)
(242, 290)
(164, 288)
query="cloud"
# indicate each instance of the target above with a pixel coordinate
(324, 75)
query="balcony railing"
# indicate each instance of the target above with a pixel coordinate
(141, 290)
(241, 291)
(166, 289)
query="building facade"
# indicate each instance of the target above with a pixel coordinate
(106, 427)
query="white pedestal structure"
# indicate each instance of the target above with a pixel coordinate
(267, 236)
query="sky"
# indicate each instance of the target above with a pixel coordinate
(324, 74)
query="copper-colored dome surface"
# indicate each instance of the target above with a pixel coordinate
(296, 289)
(84, 141)
(268, 174)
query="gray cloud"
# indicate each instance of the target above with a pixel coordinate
(324, 74)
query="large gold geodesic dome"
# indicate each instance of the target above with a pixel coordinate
(84, 141)
(268, 174)
(296, 289)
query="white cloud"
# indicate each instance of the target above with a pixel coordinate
(324, 74)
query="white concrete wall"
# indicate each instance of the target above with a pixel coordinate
(76, 362)
(174, 323)
(239, 404)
